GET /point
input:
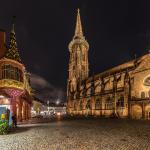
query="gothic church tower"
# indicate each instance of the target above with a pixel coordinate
(78, 63)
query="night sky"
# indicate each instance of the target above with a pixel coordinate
(116, 30)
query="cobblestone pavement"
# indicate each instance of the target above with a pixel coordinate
(98, 134)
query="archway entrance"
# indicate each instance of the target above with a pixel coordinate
(147, 111)
(136, 112)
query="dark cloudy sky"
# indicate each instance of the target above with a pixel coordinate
(115, 30)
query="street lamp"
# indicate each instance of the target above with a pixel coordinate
(48, 102)
(57, 102)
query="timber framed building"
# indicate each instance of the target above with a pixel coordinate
(123, 91)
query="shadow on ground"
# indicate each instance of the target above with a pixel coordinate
(20, 129)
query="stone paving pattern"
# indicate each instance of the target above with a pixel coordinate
(98, 134)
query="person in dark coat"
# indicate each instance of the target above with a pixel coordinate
(7, 114)
(14, 119)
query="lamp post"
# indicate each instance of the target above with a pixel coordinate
(57, 102)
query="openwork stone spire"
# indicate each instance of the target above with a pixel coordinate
(12, 52)
(78, 63)
(78, 29)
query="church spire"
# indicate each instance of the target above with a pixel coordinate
(12, 52)
(78, 63)
(78, 29)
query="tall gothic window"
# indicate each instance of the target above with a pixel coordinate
(88, 105)
(109, 103)
(11, 72)
(97, 104)
(81, 105)
(120, 102)
(142, 94)
(75, 108)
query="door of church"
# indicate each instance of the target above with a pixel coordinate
(149, 115)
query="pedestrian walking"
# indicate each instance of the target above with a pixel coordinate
(14, 119)
(7, 114)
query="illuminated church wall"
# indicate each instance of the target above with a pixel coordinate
(122, 91)
(140, 80)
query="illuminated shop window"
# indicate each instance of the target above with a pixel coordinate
(11, 72)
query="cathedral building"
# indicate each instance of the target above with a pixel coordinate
(122, 91)
(15, 90)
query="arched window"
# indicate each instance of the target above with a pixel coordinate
(142, 94)
(80, 105)
(11, 72)
(97, 104)
(109, 103)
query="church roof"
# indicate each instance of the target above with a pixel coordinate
(130, 65)
(120, 68)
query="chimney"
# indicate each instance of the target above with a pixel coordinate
(2, 42)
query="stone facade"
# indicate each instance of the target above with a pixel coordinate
(123, 91)
(15, 90)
